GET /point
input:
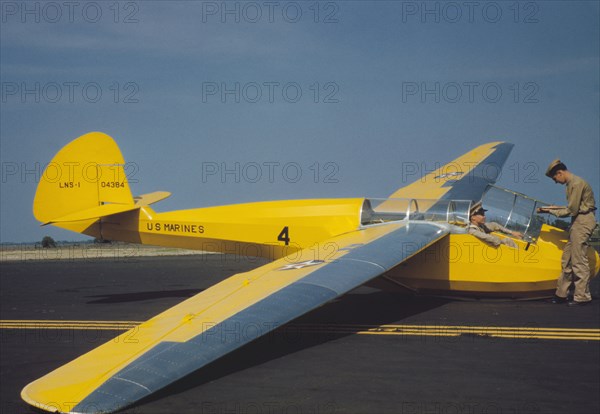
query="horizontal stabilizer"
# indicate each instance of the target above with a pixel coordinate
(150, 198)
(94, 213)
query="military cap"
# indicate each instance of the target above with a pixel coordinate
(555, 166)
(477, 208)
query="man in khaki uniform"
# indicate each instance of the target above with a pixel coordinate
(482, 230)
(580, 207)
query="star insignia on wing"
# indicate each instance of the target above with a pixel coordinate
(300, 265)
(449, 175)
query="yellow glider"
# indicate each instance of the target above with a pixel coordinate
(320, 249)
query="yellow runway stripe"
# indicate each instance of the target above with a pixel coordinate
(458, 330)
(532, 332)
(41, 324)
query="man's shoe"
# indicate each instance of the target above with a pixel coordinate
(575, 303)
(557, 300)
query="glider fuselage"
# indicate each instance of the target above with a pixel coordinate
(85, 189)
(458, 265)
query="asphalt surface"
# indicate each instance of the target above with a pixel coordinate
(321, 370)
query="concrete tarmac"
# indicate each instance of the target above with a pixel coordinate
(367, 352)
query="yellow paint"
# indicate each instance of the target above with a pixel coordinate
(530, 332)
(151, 198)
(94, 213)
(75, 380)
(85, 173)
(464, 264)
(86, 325)
(431, 186)
(246, 230)
(86, 180)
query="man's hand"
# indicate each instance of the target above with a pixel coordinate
(509, 243)
(517, 235)
(547, 209)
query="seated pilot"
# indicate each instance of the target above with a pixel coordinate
(482, 230)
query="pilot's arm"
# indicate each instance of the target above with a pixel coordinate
(501, 229)
(490, 239)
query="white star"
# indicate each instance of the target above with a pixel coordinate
(300, 265)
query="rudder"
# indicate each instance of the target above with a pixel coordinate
(86, 173)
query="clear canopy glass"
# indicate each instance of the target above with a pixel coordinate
(379, 210)
(513, 210)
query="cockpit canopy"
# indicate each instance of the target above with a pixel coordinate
(378, 210)
(512, 210)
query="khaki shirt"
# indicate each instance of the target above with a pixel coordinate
(483, 233)
(580, 198)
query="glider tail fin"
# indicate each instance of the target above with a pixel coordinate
(84, 181)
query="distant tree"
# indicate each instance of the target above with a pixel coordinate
(99, 240)
(595, 238)
(47, 242)
(596, 233)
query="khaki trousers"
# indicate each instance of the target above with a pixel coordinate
(575, 265)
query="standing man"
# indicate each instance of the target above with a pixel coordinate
(580, 207)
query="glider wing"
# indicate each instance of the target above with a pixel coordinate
(224, 317)
(465, 178)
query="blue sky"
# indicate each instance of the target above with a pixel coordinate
(322, 99)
